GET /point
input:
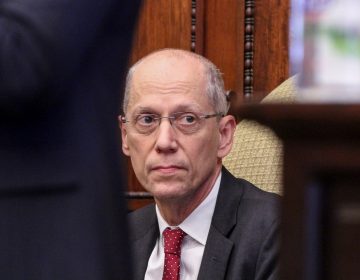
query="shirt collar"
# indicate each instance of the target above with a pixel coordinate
(197, 224)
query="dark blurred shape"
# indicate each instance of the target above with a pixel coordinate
(61, 209)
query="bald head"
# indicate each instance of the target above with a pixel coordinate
(177, 65)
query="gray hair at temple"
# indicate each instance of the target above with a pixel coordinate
(214, 82)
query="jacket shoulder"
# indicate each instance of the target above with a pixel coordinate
(141, 220)
(247, 200)
(255, 201)
(254, 192)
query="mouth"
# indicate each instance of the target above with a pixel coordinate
(166, 169)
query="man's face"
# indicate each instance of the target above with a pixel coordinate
(168, 163)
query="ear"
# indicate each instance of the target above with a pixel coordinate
(227, 128)
(124, 145)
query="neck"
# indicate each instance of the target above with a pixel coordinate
(176, 210)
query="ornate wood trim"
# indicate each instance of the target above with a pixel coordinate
(197, 26)
(249, 20)
(138, 195)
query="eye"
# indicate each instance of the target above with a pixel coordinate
(146, 119)
(187, 119)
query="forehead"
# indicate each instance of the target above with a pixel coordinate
(168, 81)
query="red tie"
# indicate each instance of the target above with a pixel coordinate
(172, 249)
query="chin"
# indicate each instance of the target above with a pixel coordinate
(168, 191)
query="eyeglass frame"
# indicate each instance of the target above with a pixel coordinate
(172, 120)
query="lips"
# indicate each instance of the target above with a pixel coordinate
(166, 169)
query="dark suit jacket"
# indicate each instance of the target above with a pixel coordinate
(61, 210)
(242, 242)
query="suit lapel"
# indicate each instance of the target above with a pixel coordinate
(216, 256)
(218, 247)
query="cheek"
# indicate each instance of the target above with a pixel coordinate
(138, 156)
(203, 152)
(137, 151)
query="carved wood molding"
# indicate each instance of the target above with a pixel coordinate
(197, 39)
(138, 195)
(193, 25)
(249, 48)
(197, 26)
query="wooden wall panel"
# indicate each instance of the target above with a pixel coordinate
(162, 24)
(224, 41)
(270, 45)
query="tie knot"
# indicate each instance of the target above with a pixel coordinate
(172, 240)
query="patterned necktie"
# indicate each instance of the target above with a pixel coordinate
(172, 249)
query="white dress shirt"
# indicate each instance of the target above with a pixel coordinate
(196, 226)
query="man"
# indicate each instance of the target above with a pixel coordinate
(176, 132)
(61, 210)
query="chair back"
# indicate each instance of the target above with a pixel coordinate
(257, 153)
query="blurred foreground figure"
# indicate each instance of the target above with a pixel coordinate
(61, 211)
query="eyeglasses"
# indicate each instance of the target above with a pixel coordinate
(185, 122)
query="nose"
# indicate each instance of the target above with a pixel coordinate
(166, 138)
